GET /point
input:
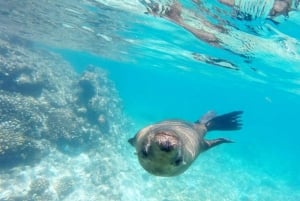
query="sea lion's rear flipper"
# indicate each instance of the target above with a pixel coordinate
(215, 142)
(229, 121)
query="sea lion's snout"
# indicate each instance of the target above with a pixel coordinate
(166, 146)
(166, 141)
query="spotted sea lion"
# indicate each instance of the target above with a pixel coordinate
(168, 148)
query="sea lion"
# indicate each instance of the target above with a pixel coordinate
(168, 148)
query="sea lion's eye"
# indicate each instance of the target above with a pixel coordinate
(144, 153)
(178, 161)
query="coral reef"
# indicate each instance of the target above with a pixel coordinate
(43, 101)
(64, 187)
(38, 191)
(96, 103)
(16, 148)
(38, 186)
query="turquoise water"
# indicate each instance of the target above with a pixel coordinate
(161, 70)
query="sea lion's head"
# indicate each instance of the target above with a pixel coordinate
(160, 153)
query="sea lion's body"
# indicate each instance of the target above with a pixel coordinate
(168, 148)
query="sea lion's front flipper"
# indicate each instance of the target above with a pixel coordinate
(132, 141)
(215, 142)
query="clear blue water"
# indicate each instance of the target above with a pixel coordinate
(150, 60)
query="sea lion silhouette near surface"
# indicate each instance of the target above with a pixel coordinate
(169, 147)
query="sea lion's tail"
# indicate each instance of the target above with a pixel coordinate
(225, 122)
